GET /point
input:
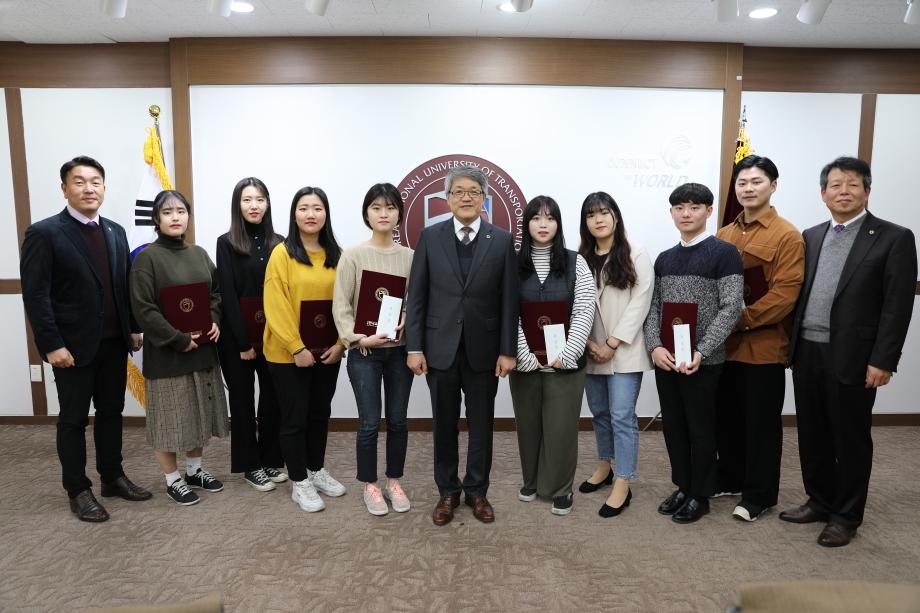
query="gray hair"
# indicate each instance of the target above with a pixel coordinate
(468, 172)
(848, 164)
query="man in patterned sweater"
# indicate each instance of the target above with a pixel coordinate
(707, 272)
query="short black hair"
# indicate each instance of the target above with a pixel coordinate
(848, 164)
(81, 160)
(161, 199)
(757, 161)
(697, 193)
(390, 195)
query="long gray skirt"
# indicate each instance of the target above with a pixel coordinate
(184, 412)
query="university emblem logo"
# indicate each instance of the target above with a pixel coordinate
(186, 305)
(319, 321)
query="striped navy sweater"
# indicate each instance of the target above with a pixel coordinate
(710, 274)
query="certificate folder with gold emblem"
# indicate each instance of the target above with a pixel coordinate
(317, 330)
(374, 286)
(253, 310)
(535, 315)
(755, 284)
(187, 308)
(676, 314)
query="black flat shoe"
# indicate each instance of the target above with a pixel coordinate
(587, 487)
(672, 503)
(609, 511)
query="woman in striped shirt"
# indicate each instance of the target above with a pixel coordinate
(547, 396)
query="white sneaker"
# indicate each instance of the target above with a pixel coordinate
(397, 497)
(324, 482)
(373, 500)
(304, 494)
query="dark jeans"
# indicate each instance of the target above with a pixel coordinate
(834, 421)
(688, 418)
(749, 431)
(386, 365)
(478, 390)
(305, 399)
(254, 442)
(102, 381)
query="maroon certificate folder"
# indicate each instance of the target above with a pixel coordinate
(317, 330)
(755, 284)
(188, 309)
(673, 314)
(253, 310)
(535, 315)
(374, 286)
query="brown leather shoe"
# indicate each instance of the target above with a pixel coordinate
(482, 510)
(123, 488)
(802, 515)
(836, 535)
(444, 510)
(85, 506)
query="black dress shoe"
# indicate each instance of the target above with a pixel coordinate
(85, 506)
(587, 487)
(836, 535)
(692, 511)
(672, 503)
(609, 511)
(123, 488)
(802, 515)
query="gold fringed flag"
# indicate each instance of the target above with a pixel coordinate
(742, 150)
(155, 180)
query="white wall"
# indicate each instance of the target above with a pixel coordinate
(561, 141)
(106, 124)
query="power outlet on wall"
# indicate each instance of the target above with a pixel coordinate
(35, 373)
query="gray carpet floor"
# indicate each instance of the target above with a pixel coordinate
(262, 553)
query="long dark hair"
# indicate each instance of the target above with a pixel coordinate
(557, 260)
(615, 268)
(239, 238)
(327, 241)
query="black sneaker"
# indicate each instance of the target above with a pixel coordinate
(526, 494)
(203, 480)
(275, 475)
(259, 480)
(179, 491)
(562, 505)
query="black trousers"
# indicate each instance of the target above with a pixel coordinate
(479, 390)
(688, 416)
(834, 421)
(254, 441)
(749, 431)
(101, 382)
(305, 399)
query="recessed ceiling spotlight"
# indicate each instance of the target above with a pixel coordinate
(241, 7)
(763, 13)
(506, 7)
(516, 6)
(912, 16)
(812, 11)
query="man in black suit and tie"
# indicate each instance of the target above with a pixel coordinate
(461, 329)
(850, 323)
(74, 271)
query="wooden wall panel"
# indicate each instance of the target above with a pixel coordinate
(530, 61)
(182, 125)
(867, 127)
(731, 111)
(860, 71)
(118, 65)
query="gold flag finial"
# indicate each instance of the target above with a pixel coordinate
(154, 111)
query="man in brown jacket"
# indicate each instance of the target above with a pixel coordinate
(749, 430)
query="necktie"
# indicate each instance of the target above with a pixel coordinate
(839, 228)
(466, 235)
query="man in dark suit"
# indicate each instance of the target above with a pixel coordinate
(850, 323)
(74, 271)
(461, 329)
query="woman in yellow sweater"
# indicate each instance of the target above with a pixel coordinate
(303, 268)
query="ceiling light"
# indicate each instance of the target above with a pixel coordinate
(317, 7)
(221, 7)
(241, 7)
(764, 13)
(522, 6)
(912, 16)
(812, 11)
(115, 8)
(507, 7)
(727, 10)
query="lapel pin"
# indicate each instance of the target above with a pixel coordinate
(871, 231)
(488, 236)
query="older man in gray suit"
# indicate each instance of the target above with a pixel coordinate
(461, 329)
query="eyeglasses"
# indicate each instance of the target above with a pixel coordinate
(460, 193)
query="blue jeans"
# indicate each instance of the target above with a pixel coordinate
(612, 400)
(386, 364)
